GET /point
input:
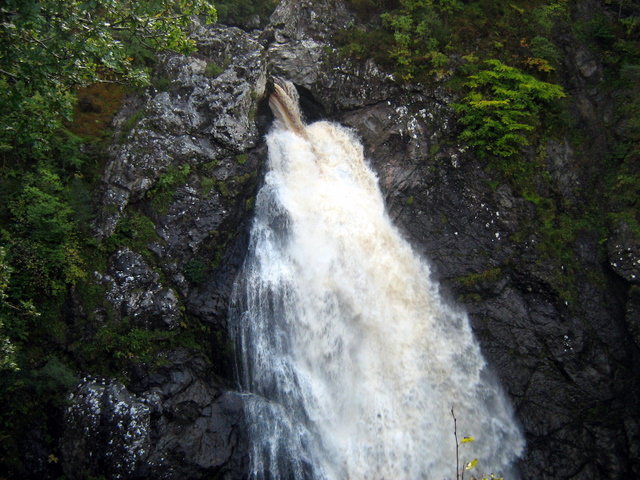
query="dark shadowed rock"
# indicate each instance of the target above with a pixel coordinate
(624, 253)
(179, 426)
(107, 431)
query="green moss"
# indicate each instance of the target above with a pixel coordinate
(225, 189)
(210, 165)
(491, 275)
(229, 188)
(173, 177)
(213, 69)
(207, 184)
(195, 270)
(135, 231)
(130, 123)
(118, 343)
(470, 298)
(161, 195)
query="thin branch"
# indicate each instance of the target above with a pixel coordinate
(9, 74)
(455, 435)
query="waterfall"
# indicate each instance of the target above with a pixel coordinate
(350, 359)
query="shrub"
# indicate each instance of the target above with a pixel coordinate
(420, 33)
(43, 237)
(502, 105)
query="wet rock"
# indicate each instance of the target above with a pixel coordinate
(107, 433)
(180, 425)
(197, 424)
(624, 253)
(561, 162)
(135, 291)
(200, 118)
(301, 51)
(632, 314)
(586, 64)
(308, 19)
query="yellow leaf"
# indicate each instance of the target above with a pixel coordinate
(471, 464)
(467, 440)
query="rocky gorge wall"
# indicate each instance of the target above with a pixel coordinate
(188, 157)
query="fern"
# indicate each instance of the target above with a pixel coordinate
(502, 106)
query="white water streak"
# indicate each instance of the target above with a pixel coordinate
(352, 356)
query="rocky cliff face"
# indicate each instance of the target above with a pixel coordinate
(189, 160)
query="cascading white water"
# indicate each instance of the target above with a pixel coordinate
(351, 359)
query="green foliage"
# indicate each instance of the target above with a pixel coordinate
(547, 15)
(195, 270)
(368, 7)
(212, 69)
(473, 279)
(598, 30)
(612, 37)
(7, 348)
(42, 240)
(48, 47)
(361, 43)
(545, 49)
(425, 39)
(28, 397)
(54, 376)
(135, 231)
(52, 52)
(161, 194)
(490, 52)
(117, 344)
(420, 32)
(123, 341)
(501, 106)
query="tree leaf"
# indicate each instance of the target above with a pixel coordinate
(471, 464)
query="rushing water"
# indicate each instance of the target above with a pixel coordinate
(350, 358)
